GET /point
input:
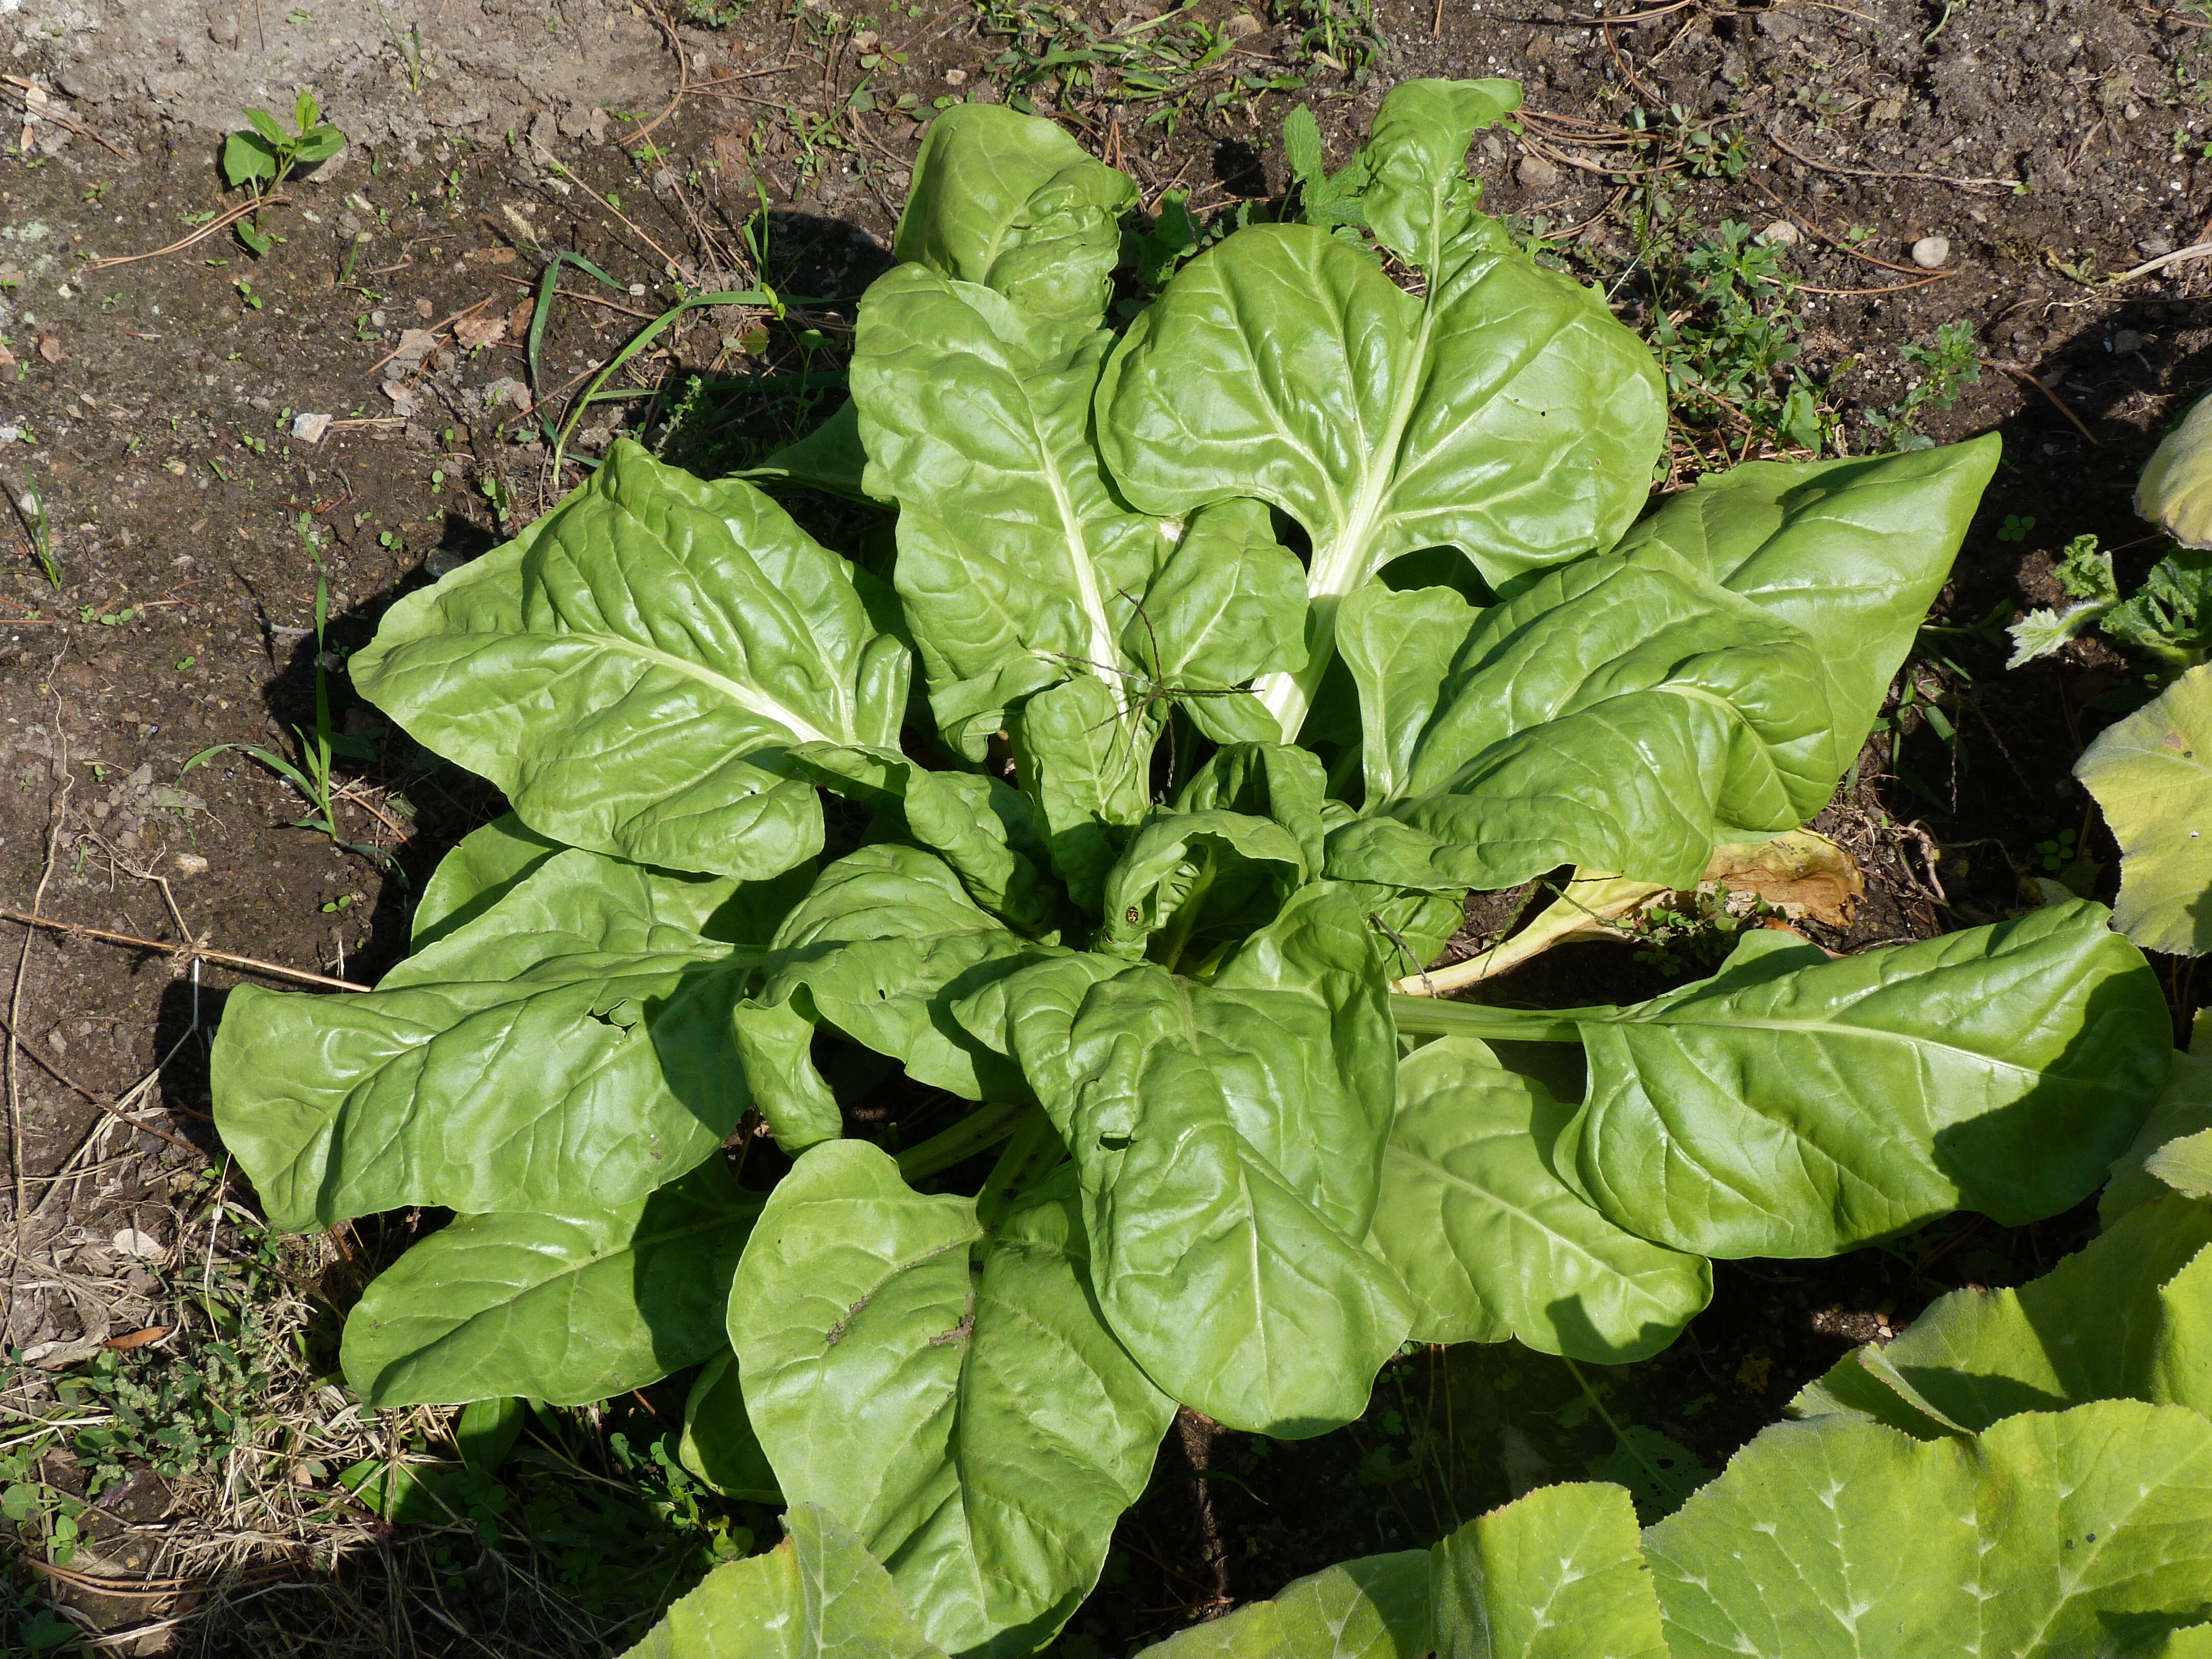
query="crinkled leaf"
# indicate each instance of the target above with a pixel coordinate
(1850, 552)
(1190, 883)
(775, 1044)
(568, 1049)
(2169, 618)
(483, 867)
(1374, 1608)
(818, 1594)
(2045, 1538)
(1016, 565)
(1012, 203)
(2040, 633)
(1229, 1137)
(2184, 1109)
(1559, 1574)
(1005, 1429)
(981, 827)
(829, 459)
(630, 670)
(718, 1443)
(2152, 774)
(1507, 415)
(1795, 1106)
(1229, 605)
(1418, 198)
(1623, 714)
(564, 1306)
(1492, 1244)
(2128, 1316)
(1089, 779)
(881, 947)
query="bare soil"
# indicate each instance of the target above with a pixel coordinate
(150, 408)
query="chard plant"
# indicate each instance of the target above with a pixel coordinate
(1040, 888)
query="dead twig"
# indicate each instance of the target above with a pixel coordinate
(2052, 398)
(186, 952)
(222, 221)
(1838, 242)
(433, 331)
(1774, 139)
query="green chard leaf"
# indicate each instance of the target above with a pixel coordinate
(2128, 1317)
(818, 1594)
(1492, 1244)
(719, 1444)
(570, 1048)
(631, 670)
(566, 1307)
(2152, 774)
(1228, 1138)
(1006, 1429)
(483, 868)
(2046, 1537)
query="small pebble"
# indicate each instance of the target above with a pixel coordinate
(1929, 252)
(309, 429)
(1536, 174)
(1781, 231)
(2127, 341)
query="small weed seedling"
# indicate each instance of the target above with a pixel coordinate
(264, 157)
(1946, 369)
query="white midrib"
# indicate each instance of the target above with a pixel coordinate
(747, 697)
(1105, 650)
(1342, 565)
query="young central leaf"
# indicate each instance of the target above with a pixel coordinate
(947, 1392)
(630, 669)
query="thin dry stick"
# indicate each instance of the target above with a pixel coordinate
(68, 121)
(1874, 173)
(187, 952)
(433, 331)
(1837, 242)
(2026, 379)
(221, 222)
(666, 257)
(55, 814)
(682, 77)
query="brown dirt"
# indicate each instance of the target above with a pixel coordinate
(150, 407)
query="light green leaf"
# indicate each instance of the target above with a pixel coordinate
(1012, 203)
(2184, 1108)
(1399, 648)
(1803, 1107)
(247, 157)
(881, 947)
(1492, 1244)
(487, 1430)
(2129, 1316)
(1623, 714)
(1419, 199)
(815, 1595)
(1005, 1430)
(2175, 490)
(1016, 565)
(1229, 605)
(774, 1042)
(1559, 1574)
(1507, 414)
(829, 459)
(2046, 1538)
(1375, 1608)
(630, 670)
(564, 1307)
(983, 829)
(1189, 883)
(718, 1443)
(2146, 772)
(2184, 1165)
(1229, 1137)
(1850, 553)
(568, 1049)
(1089, 777)
(483, 867)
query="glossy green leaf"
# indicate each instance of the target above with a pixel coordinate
(1374, 1608)
(1559, 1574)
(2184, 1108)
(1851, 553)
(1012, 202)
(1018, 565)
(569, 1048)
(881, 947)
(1084, 760)
(718, 1443)
(1795, 1106)
(483, 867)
(2175, 490)
(564, 1307)
(1418, 198)
(487, 1430)
(2151, 772)
(2129, 1316)
(1228, 606)
(1229, 1136)
(1492, 1244)
(829, 459)
(1190, 883)
(774, 1042)
(1507, 414)
(630, 670)
(1005, 1429)
(817, 1595)
(2050, 1536)
(1621, 714)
